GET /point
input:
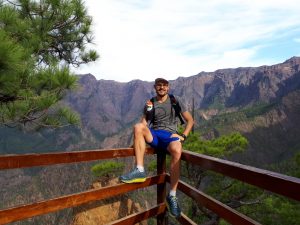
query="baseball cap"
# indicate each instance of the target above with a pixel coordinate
(161, 80)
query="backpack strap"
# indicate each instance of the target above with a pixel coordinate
(176, 107)
(149, 111)
(153, 99)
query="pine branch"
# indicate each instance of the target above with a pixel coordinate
(256, 201)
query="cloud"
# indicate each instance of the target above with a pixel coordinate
(143, 39)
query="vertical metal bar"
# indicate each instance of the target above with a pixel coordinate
(161, 188)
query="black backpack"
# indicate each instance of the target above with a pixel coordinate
(175, 106)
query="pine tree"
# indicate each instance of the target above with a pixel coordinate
(39, 41)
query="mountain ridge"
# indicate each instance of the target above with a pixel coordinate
(115, 105)
(260, 102)
(108, 108)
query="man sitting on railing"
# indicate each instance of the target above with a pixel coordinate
(162, 112)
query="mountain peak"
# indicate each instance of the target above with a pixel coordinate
(87, 76)
(293, 60)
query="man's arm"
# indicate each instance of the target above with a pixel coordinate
(189, 122)
(189, 125)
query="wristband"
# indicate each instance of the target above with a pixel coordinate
(184, 136)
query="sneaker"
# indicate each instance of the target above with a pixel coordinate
(135, 176)
(173, 207)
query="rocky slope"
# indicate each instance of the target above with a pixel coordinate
(105, 211)
(108, 108)
(272, 129)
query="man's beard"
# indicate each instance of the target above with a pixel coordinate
(161, 95)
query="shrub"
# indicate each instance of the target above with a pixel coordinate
(107, 168)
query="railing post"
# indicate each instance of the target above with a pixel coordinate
(161, 188)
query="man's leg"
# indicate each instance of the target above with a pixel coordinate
(141, 134)
(175, 149)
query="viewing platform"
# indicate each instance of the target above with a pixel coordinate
(264, 179)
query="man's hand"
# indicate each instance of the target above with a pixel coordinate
(182, 139)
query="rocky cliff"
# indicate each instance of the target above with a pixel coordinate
(105, 211)
(272, 129)
(108, 108)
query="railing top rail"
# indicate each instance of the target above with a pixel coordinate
(44, 159)
(268, 180)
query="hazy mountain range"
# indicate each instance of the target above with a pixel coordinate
(109, 108)
(260, 102)
(118, 104)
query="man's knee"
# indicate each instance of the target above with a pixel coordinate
(139, 128)
(178, 151)
(175, 149)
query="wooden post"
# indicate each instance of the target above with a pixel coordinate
(161, 188)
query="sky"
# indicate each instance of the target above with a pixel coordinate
(145, 39)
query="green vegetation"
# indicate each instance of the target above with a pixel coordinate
(258, 109)
(39, 40)
(276, 210)
(152, 165)
(107, 168)
(220, 147)
(245, 114)
(296, 171)
(217, 102)
(256, 203)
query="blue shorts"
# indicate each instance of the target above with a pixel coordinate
(161, 139)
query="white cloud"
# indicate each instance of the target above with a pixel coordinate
(143, 39)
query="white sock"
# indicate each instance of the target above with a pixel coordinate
(172, 193)
(140, 168)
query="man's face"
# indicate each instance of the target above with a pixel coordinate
(161, 89)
